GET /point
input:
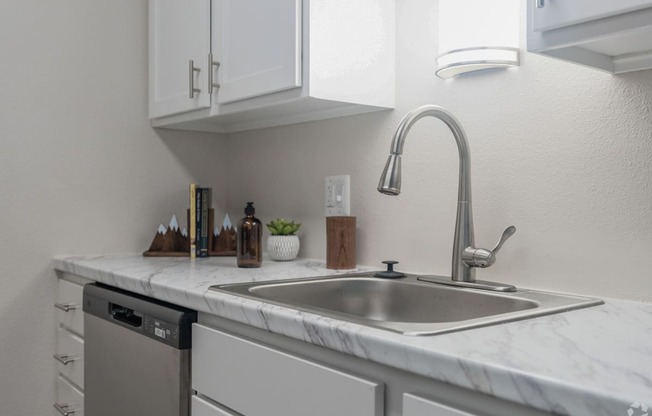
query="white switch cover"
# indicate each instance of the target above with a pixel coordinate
(338, 195)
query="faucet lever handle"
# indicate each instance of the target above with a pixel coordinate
(481, 257)
(509, 231)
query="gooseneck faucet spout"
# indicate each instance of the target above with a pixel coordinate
(465, 256)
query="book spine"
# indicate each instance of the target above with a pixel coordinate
(198, 220)
(205, 206)
(192, 220)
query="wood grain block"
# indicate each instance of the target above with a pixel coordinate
(340, 243)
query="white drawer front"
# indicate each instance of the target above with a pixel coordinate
(70, 298)
(70, 347)
(417, 406)
(69, 399)
(256, 380)
(201, 407)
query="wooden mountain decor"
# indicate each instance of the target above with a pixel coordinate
(170, 241)
(224, 239)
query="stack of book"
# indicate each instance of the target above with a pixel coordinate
(200, 204)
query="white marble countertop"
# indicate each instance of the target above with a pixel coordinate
(595, 361)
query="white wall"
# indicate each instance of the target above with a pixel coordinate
(560, 151)
(81, 170)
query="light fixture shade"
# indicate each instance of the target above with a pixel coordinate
(477, 34)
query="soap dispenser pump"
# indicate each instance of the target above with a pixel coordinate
(250, 239)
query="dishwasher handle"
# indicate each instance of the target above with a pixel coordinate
(125, 315)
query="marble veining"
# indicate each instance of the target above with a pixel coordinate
(595, 361)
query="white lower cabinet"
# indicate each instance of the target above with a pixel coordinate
(256, 380)
(70, 356)
(418, 406)
(201, 407)
(70, 400)
(69, 353)
(69, 306)
(238, 370)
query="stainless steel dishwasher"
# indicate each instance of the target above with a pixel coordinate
(136, 354)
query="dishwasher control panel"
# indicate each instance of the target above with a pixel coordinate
(155, 319)
(163, 331)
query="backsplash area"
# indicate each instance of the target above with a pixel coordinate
(562, 152)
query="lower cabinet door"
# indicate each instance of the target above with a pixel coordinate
(201, 407)
(70, 401)
(256, 380)
(69, 306)
(418, 406)
(70, 356)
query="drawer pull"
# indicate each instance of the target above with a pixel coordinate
(66, 306)
(64, 409)
(64, 358)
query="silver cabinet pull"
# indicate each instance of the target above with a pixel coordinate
(540, 3)
(64, 358)
(64, 409)
(192, 71)
(66, 306)
(213, 67)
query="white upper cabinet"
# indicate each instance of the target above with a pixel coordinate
(179, 32)
(258, 46)
(272, 62)
(614, 36)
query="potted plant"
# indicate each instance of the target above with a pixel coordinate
(283, 244)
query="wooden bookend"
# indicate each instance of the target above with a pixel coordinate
(340, 243)
(224, 244)
(169, 242)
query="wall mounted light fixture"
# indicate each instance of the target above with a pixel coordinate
(476, 35)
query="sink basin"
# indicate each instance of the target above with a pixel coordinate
(407, 305)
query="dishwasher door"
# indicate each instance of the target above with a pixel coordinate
(136, 355)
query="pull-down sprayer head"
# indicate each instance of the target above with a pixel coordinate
(390, 180)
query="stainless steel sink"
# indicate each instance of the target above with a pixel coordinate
(408, 305)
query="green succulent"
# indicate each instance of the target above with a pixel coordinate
(281, 227)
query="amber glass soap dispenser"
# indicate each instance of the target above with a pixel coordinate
(250, 239)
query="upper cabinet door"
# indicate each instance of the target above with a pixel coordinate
(179, 32)
(258, 46)
(552, 14)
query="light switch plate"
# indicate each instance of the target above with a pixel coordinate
(338, 195)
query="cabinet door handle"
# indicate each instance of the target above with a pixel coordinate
(64, 359)
(66, 306)
(192, 71)
(64, 409)
(213, 66)
(540, 3)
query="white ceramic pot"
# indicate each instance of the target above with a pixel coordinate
(283, 247)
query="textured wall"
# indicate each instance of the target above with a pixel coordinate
(81, 170)
(560, 151)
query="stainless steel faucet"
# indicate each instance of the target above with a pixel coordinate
(465, 256)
